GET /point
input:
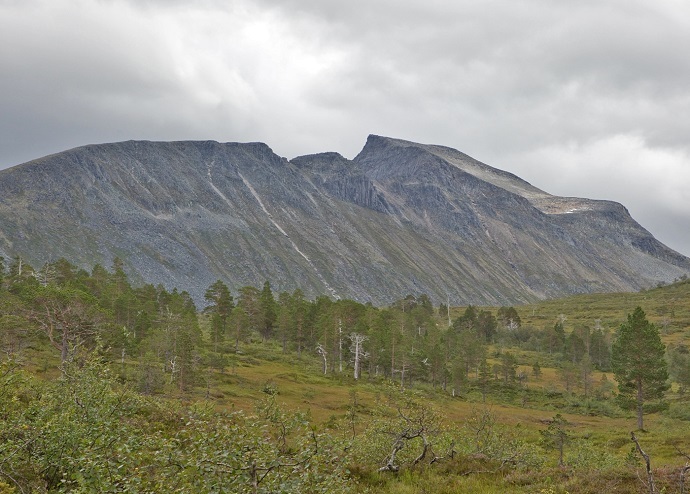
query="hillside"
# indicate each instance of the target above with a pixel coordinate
(109, 387)
(398, 218)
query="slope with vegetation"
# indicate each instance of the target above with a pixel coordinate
(109, 387)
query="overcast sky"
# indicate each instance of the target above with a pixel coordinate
(587, 98)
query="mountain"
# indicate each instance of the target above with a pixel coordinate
(399, 218)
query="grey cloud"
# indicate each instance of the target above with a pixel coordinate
(500, 80)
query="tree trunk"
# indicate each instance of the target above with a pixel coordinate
(640, 402)
(64, 347)
(340, 346)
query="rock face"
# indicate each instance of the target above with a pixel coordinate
(400, 218)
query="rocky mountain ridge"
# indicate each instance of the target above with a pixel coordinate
(399, 218)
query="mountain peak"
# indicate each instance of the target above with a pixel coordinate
(400, 218)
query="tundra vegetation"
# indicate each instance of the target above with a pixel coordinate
(109, 387)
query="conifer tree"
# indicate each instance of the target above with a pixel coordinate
(239, 320)
(119, 278)
(508, 368)
(599, 350)
(299, 311)
(680, 367)
(536, 370)
(268, 311)
(637, 358)
(148, 308)
(468, 321)
(484, 378)
(284, 319)
(249, 300)
(219, 308)
(486, 325)
(557, 338)
(556, 436)
(509, 317)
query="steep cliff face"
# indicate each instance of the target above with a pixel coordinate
(400, 218)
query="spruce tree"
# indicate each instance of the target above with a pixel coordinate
(637, 358)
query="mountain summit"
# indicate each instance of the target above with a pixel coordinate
(400, 218)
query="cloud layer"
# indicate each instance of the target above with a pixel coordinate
(580, 98)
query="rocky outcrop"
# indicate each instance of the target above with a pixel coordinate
(400, 218)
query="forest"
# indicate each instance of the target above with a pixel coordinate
(110, 387)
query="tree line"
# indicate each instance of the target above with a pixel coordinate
(173, 341)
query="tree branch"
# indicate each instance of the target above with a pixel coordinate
(650, 477)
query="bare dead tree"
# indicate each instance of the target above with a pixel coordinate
(322, 351)
(340, 346)
(684, 470)
(66, 317)
(650, 476)
(416, 423)
(358, 351)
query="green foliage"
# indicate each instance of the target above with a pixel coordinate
(536, 370)
(104, 424)
(405, 433)
(584, 455)
(84, 433)
(220, 307)
(637, 357)
(509, 317)
(483, 436)
(556, 436)
(679, 358)
(268, 311)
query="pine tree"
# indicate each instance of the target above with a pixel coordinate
(509, 317)
(484, 378)
(284, 319)
(556, 436)
(680, 367)
(536, 370)
(468, 321)
(599, 350)
(637, 358)
(299, 312)
(557, 338)
(575, 348)
(508, 368)
(486, 325)
(219, 308)
(180, 329)
(268, 311)
(239, 320)
(250, 303)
